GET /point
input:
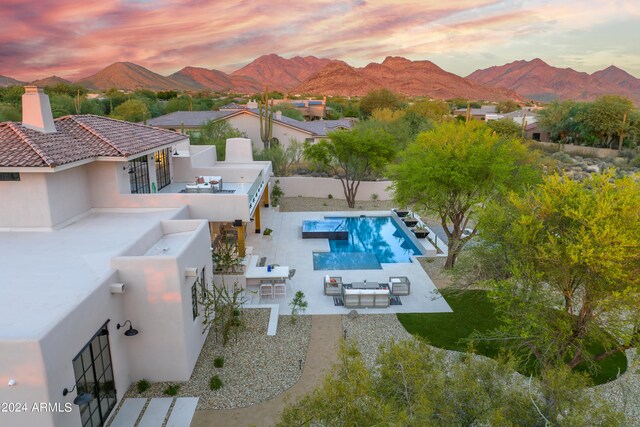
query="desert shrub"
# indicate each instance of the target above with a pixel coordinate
(562, 157)
(172, 390)
(215, 383)
(142, 386)
(218, 362)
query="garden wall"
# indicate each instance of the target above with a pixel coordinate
(305, 186)
(577, 150)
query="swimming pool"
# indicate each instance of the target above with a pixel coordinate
(373, 240)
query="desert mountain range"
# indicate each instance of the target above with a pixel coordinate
(517, 80)
(538, 80)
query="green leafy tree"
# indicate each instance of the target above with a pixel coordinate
(66, 89)
(378, 99)
(403, 126)
(573, 262)
(434, 110)
(167, 95)
(12, 95)
(352, 156)
(283, 159)
(289, 111)
(132, 110)
(114, 99)
(505, 127)
(143, 94)
(556, 118)
(216, 133)
(92, 106)
(453, 170)
(9, 113)
(412, 385)
(507, 106)
(62, 105)
(182, 103)
(607, 117)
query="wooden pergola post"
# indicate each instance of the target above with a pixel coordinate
(242, 243)
(265, 196)
(256, 218)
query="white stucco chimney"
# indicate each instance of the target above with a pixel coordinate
(278, 115)
(36, 110)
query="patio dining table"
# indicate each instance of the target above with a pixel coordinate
(255, 274)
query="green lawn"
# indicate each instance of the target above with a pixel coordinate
(473, 311)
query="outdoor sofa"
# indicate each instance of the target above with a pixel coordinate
(372, 298)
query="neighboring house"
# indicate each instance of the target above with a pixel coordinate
(98, 240)
(476, 113)
(536, 133)
(519, 116)
(311, 109)
(248, 121)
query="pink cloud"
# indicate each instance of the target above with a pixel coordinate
(75, 38)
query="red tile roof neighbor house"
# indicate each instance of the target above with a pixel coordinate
(78, 138)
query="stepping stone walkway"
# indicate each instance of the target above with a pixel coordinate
(322, 353)
(156, 412)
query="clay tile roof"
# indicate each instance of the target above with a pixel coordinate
(78, 138)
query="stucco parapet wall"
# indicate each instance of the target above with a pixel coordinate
(170, 239)
(294, 186)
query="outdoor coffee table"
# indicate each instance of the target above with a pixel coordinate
(365, 285)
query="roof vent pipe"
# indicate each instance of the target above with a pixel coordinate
(36, 110)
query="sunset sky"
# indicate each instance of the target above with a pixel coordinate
(76, 38)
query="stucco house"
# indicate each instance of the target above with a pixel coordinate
(103, 254)
(248, 121)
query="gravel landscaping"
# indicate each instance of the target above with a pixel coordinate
(256, 368)
(371, 330)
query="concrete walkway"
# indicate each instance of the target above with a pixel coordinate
(321, 355)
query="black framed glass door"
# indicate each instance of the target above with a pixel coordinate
(139, 175)
(163, 170)
(94, 374)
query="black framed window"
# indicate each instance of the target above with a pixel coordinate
(94, 374)
(139, 175)
(9, 176)
(203, 283)
(194, 301)
(163, 170)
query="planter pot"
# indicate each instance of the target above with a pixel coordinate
(420, 234)
(402, 213)
(410, 222)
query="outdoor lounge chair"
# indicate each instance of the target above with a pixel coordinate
(399, 285)
(333, 286)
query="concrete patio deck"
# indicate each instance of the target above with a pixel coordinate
(286, 247)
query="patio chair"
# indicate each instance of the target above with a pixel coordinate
(399, 285)
(266, 288)
(279, 289)
(333, 285)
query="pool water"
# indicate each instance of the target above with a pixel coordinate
(372, 241)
